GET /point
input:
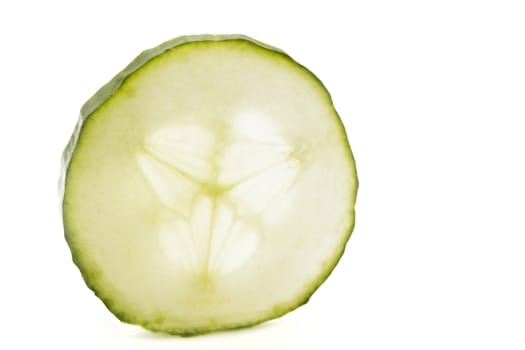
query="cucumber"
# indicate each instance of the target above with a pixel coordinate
(209, 186)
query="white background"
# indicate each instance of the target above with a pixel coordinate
(433, 97)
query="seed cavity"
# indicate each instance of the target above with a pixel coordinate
(217, 187)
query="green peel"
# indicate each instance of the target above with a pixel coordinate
(208, 186)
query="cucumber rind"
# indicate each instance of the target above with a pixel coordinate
(90, 274)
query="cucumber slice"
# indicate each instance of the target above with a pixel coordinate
(208, 186)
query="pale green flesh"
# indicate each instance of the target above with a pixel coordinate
(214, 189)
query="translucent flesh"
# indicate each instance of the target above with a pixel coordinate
(214, 189)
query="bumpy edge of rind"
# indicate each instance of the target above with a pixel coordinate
(100, 97)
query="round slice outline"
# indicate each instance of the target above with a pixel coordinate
(90, 275)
